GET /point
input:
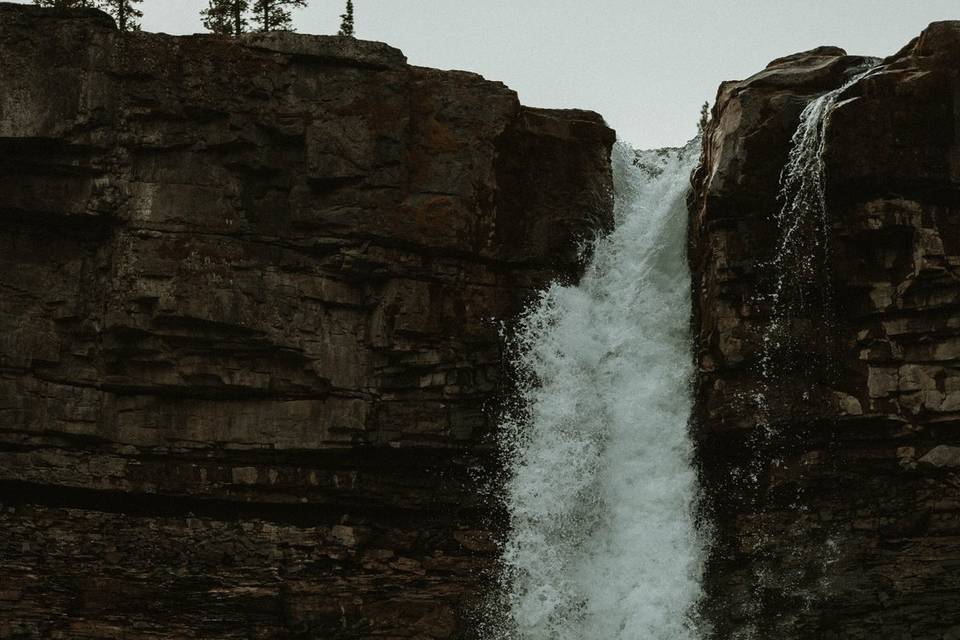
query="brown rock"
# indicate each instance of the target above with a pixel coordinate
(827, 524)
(249, 295)
(942, 456)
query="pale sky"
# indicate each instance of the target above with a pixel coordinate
(646, 65)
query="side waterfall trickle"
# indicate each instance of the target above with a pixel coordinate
(797, 341)
(801, 286)
(602, 491)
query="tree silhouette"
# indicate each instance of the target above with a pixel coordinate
(124, 13)
(225, 17)
(346, 20)
(274, 15)
(704, 118)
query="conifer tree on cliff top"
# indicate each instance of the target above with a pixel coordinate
(704, 118)
(274, 15)
(226, 17)
(346, 20)
(124, 13)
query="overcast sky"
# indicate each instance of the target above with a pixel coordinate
(646, 65)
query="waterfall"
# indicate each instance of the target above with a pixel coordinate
(602, 490)
(797, 343)
(799, 270)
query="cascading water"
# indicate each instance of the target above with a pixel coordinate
(602, 490)
(799, 270)
(796, 351)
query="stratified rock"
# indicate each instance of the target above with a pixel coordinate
(249, 306)
(831, 481)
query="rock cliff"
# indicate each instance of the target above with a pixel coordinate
(834, 479)
(249, 306)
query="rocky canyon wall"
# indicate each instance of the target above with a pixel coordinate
(249, 305)
(833, 479)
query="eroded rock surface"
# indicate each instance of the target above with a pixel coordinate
(249, 296)
(834, 482)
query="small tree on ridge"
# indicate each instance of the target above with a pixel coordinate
(225, 17)
(124, 13)
(346, 20)
(704, 118)
(274, 15)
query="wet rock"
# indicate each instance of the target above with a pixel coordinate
(861, 543)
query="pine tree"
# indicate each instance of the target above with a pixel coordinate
(274, 15)
(225, 17)
(65, 4)
(704, 118)
(346, 21)
(124, 13)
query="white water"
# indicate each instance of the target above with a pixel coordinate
(799, 291)
(800, 264)
(602, 492)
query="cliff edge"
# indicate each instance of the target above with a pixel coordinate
(249, 305)
(828, 392)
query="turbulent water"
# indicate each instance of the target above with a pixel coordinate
(602, 491)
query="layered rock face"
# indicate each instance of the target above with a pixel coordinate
(249, 306)
(830, 443)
